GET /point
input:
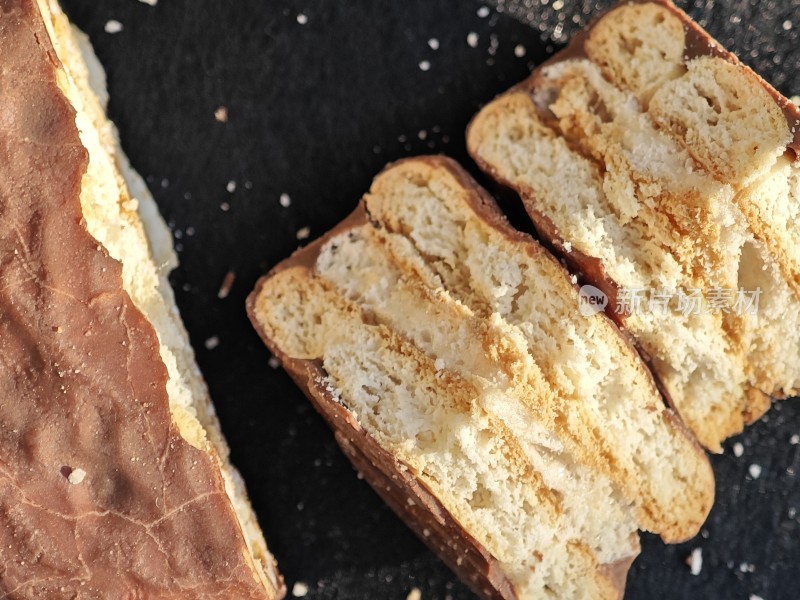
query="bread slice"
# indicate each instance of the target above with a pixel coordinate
(447, 352)
(659, 166)
(115, 479)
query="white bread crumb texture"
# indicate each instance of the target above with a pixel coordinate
(460, 350)
(671, 171)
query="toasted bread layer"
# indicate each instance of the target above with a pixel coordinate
(655, 162)
(434, 322)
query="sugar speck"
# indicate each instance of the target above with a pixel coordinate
(150, 2)
(299, 589)
(483, 12)
(754, 597)
(755, 471)
(231, 187)
(302, 19)
(273, 362)
(113, 26)
(787, 25)
(303, 233)
(519, 51)
(285, 200)
(425, 65)
(695, 561)
(794, 440)
(224, 207)
(433, 43)
(212, 342)
(738, 449)
(77, 476)
(472, 39)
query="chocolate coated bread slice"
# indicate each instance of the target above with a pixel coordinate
(447, 351)
(664, 171)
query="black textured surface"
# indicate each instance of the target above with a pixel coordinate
(315, 109)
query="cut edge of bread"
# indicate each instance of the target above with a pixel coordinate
(121, 214)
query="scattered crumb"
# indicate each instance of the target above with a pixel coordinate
(433, 43)
(747, 567)
(483, 12)
(574, 279)
(439, 364)
(422, 134)
(224, 207)
(190, 231)
(77, 476)
(425, 65)
(794, 440)
(113, 26)
(787, 25)
(755, 471)
(273, 362)
(558, 4)
(299, 589)
(519, 51)
(302, 19)
(567, 247)
(754, 597)
(212, 342)
(738, 449)
(221, 114)
(285, 200)
(231, 187)
(227, 284)
(472, 39)
(303, 233)
(165, 183)
(150, 2)
(695, 561)
(414, 594)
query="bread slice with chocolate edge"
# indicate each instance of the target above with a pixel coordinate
(115, 478)
(651, 159)
(446, 351)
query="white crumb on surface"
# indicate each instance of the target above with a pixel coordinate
(422, 134)
(302, 19)
(425, 65)
(273, 362)
(231, 186)
(299, 589)
(212, 342)
(558, 4)
(794, 440)
(695, 561)
(303, 233)
(285, 200)
(113, 26)
(738, 449)
(787, 25)
(224, 207)
(414, 594)
(574, 279)
(472, 39)
(149, 2)
(221, 114)
(747, 567)
(755, 471)
(567, 247)
(754, 597)
(77, 476)
(439, 364)
(433, 43)
(483, 12)
(519, 51)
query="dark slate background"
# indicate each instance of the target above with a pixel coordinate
(317, 105)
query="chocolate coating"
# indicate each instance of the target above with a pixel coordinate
(100, 496)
